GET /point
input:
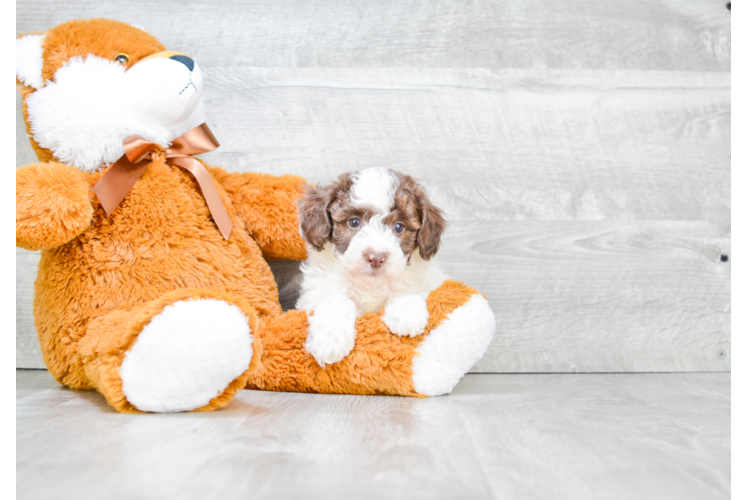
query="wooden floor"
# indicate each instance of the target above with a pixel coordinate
(577, 436)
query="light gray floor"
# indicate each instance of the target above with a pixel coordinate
(579, 436)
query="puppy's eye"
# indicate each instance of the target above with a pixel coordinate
(123, 59)
(354, 223)
(398, 228)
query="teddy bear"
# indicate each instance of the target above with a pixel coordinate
(153, 286)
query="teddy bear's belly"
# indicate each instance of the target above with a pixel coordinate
(153, 243)
(121, 270)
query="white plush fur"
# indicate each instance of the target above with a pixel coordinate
(453, 347)
(187, 355)
(346, 279)
(93, 104)
(29, 60)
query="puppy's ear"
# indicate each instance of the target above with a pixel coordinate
(314, 213)
(432, 225)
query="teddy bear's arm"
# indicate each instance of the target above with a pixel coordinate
(267, 204)
(52, 205)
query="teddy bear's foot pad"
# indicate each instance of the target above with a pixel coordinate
(186, 356)
(453, 347)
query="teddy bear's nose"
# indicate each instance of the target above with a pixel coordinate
(184, 60)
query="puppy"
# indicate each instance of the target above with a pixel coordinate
(370, 236)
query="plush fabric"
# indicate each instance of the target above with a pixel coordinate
(380, 363)
(103, 279)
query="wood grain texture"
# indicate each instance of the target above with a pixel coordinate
(738, 255)
(627, 436)
(643, 436)
(737, 194)
(574, 296)
(739, 437)
(28, 351)
(602, 296)
(581, 152)
(506, 145)
(626, 34)
(591, 296)
(517, 145)
(738, 78)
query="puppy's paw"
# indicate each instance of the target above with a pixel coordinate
(330, 338)
(332, 332)
(407, 315)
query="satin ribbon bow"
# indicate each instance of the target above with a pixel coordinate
(122, 176)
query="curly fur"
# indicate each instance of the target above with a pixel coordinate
(340, 278)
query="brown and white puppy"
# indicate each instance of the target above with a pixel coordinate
(371, 235)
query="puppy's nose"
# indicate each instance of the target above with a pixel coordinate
(375, 259)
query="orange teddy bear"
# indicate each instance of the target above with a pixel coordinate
(153, 286)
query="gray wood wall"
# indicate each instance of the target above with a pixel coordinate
(737, 194)
(581, 150)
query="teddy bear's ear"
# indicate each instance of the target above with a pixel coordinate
(29, 61)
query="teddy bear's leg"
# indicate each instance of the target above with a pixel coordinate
(460, 328)
(187, 350)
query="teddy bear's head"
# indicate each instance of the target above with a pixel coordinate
(88, 84)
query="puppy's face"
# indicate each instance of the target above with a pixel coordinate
(375, 219)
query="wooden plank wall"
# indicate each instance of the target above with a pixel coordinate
(737, 195)
(580, 149)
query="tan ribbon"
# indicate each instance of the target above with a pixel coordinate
(122, 176)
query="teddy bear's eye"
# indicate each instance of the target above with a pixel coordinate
(122, 59)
